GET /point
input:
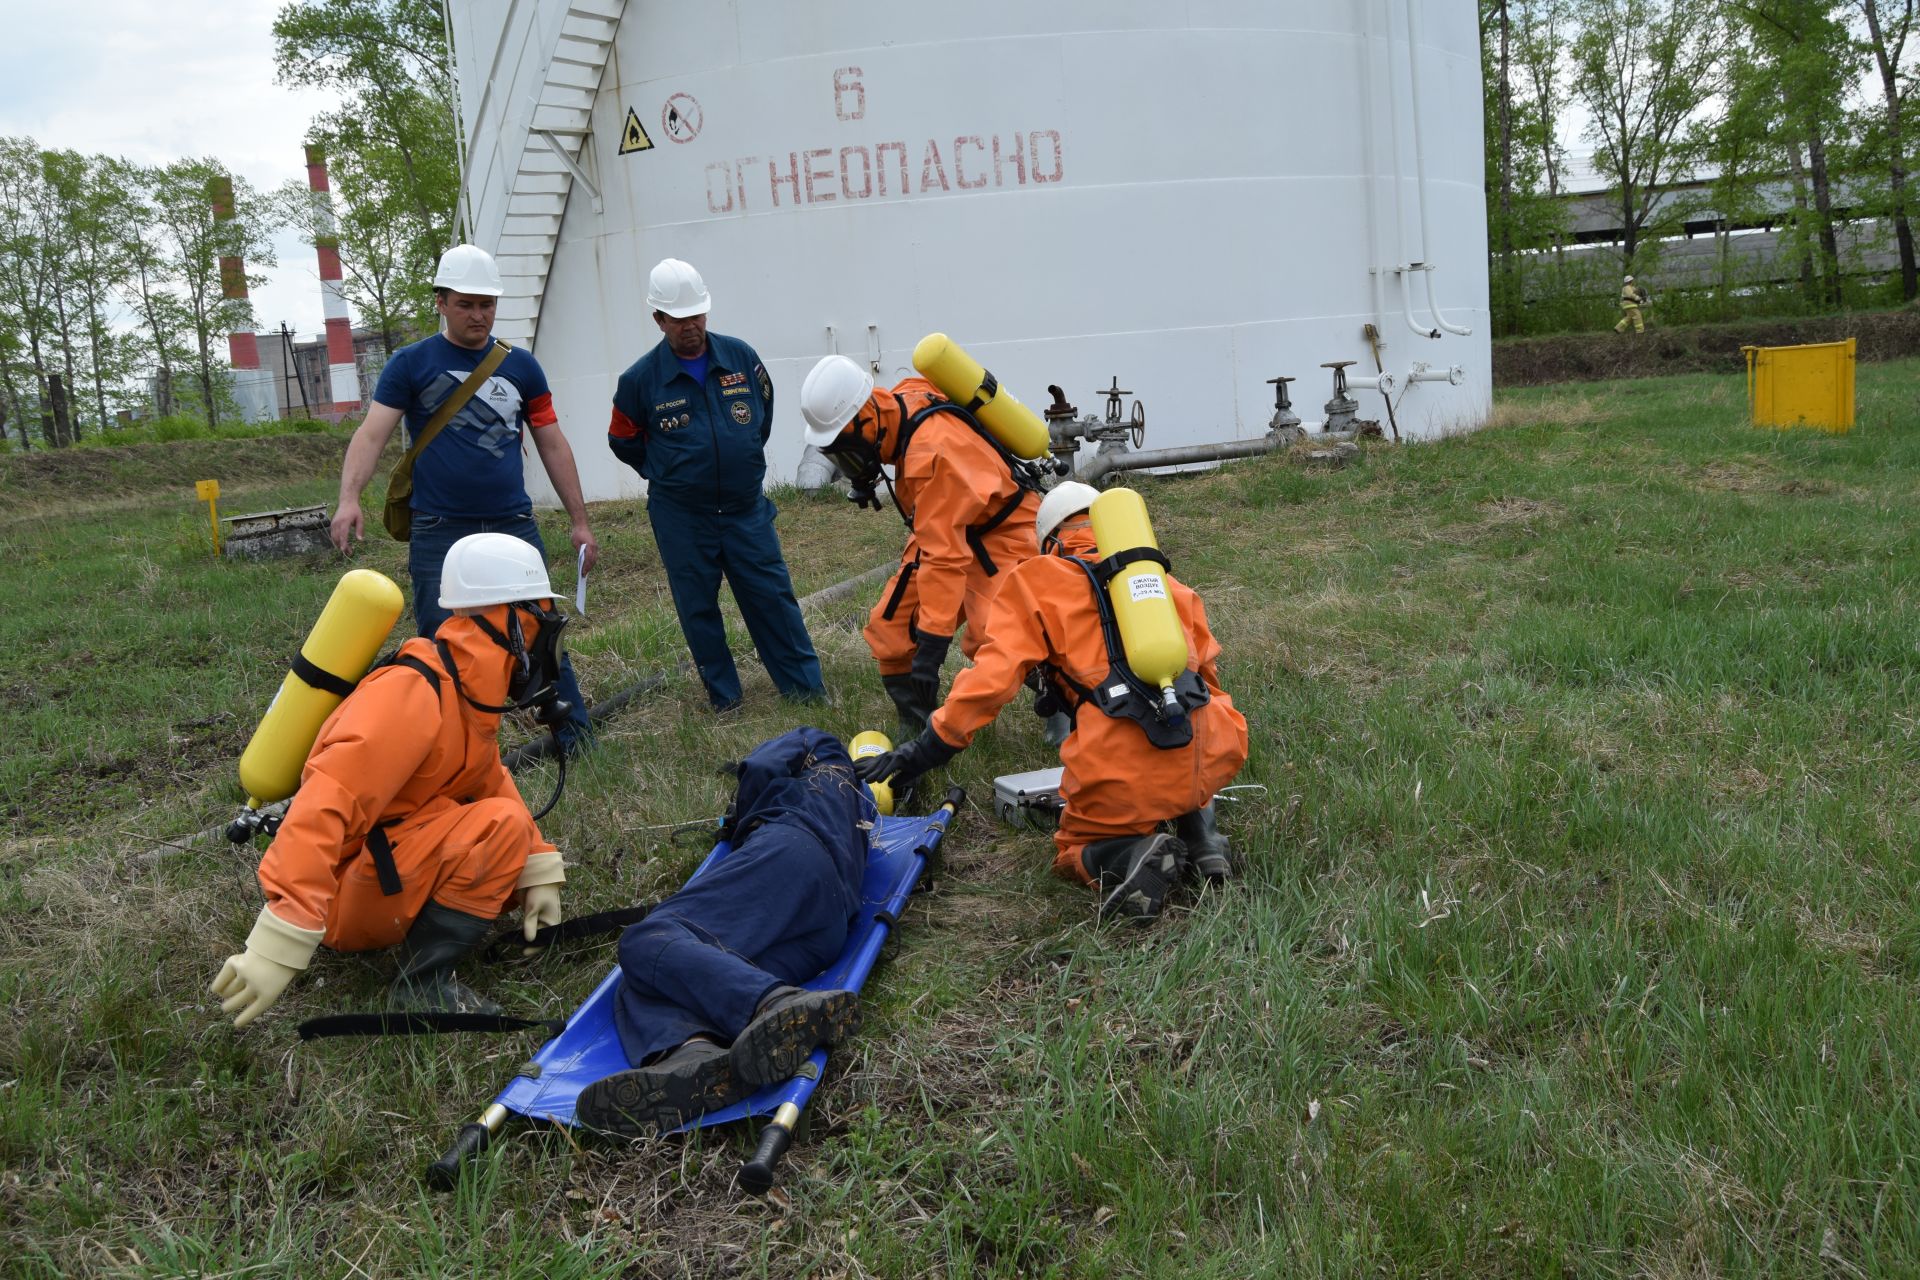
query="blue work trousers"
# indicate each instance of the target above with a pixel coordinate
(433, 536)
(774, 911)
(696, 548)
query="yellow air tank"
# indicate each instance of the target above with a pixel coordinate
(874, 743)
(946, 364)
(343, 644)
(1150, 630)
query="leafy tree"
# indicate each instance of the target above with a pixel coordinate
(28, 272)
(1805, 51)
(1644, 70)
(192, 242)
(92, 205)
(1889, 24)
(393, 147)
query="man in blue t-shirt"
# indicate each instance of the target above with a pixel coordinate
(692, 417)
(468, 479)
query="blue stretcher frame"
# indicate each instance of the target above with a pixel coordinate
(588, 1049)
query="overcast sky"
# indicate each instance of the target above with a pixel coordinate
(158, 80)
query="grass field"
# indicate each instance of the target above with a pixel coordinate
(1579, 934)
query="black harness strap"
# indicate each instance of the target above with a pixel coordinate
(977, 534)
(396, 1023)
(320, 678)
(600, 922)
(1024, 480)
(380, 849)
(900, 588)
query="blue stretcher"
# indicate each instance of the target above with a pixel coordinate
(589, 1048)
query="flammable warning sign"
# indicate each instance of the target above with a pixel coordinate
(634, 136)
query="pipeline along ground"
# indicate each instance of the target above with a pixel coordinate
(1579, 930)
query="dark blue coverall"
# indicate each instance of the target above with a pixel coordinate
(701, 447)
(776, 910)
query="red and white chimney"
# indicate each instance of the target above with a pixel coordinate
(242, 350)
(341, 374)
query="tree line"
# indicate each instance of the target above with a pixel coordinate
(1789, 115)
(111, 293)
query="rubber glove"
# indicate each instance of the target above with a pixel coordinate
(539, 886)
(929, 655)
(253, 981)
(902, 765)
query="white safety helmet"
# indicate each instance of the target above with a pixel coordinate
(831, 396)
(1063, 501)
(677, 289)
(1628, 280)
(467, 268)
(492, 568)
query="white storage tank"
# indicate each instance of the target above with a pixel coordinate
(1194, 198)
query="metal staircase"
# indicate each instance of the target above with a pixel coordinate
(522, 169)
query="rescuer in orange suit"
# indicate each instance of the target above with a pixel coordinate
(969, 518)
(1118, 787)
(407, 829)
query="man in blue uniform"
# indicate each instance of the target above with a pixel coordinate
(468, 479)
(692, 416)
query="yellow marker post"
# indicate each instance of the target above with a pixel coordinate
(209, 493)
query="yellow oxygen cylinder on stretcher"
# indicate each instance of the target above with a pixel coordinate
(946, 364)
(337, 652)
(1150, 630)
(874, 743)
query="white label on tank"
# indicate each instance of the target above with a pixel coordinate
(1146, 586)
(1116, 690)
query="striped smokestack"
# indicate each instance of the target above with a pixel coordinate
(340, 370)
(241, 347)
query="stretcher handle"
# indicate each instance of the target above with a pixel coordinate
(444, 1174)
(756, 1175)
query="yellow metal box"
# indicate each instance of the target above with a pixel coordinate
(1804, 386)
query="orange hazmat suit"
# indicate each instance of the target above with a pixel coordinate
(423, 767)
(1115, 783)
(950, 483)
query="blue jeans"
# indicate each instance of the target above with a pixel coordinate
(697, 548)
(433, 536)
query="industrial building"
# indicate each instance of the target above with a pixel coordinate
(1192, 199)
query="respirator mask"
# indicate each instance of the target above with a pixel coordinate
(534, 682)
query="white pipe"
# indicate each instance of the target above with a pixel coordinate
(1420, 166)
(1452, 375)
(1406, 299)
(1370, 85)
(1383, 383)
(1399, 192)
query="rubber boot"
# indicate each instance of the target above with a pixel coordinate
(785, 1029)
(680, 1085)
(913, 712)
(1134, 873)
(1210, 851)
(440, 938)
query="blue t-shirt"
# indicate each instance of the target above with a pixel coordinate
(696, 368)
(473, 466)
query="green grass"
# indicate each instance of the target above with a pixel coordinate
(1579, 934)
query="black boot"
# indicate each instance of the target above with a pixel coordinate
(679, 1085)
(440, 938)
(1211, 853)
(786, 1028)
(913, 711)
(1134, 872)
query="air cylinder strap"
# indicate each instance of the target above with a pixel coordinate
(320, 678)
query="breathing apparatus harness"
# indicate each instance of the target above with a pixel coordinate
(1122, 695)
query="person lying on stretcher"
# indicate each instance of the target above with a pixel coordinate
(709, 1009)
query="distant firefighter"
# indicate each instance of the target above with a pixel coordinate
(1632, 298)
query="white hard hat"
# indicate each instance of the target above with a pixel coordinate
(1063, 501)
(831, 396)
(492, 568)
(467, 268)
(677, 289)
(1628, 280)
